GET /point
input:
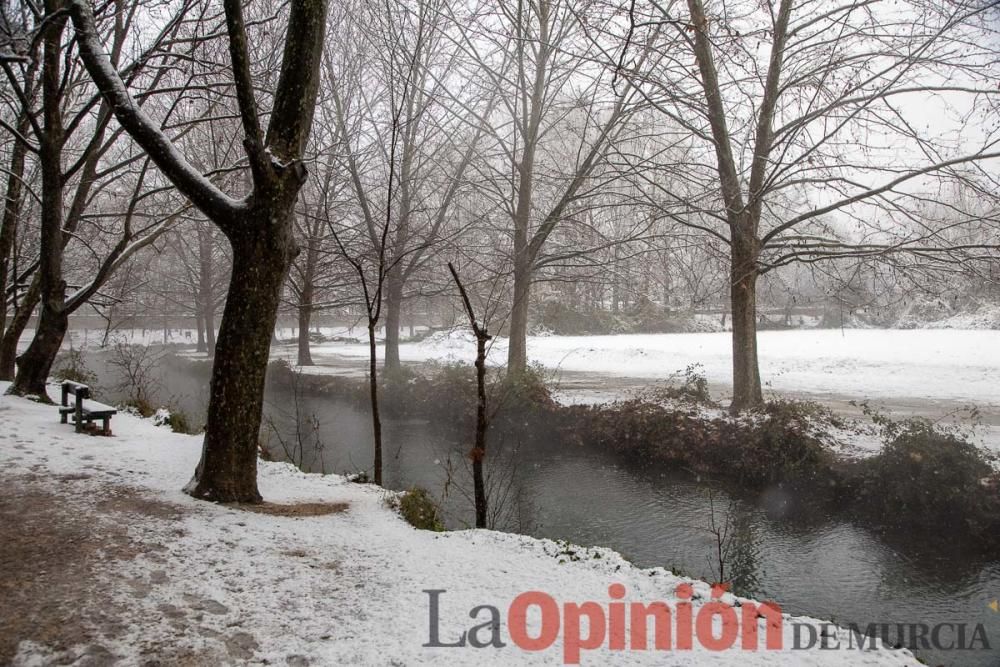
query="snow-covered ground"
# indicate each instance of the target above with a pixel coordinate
(951, 365)
(934, 373)
(223, 585)
(939, 364)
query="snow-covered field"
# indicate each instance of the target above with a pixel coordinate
(948, 365)
(941, 364)
(934, 373)
(223, 585)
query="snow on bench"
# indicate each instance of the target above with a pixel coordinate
(84, 411)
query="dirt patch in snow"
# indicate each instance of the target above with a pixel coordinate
(55, 542)
(296, 510)
(48, 552)
(123, 500)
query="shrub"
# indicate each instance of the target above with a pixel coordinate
(692, 388)
(178, 422)
(399, 377)
(420, 510)
(776, 449)
(281, 374)
(73, 367)
(448, 393)
(649, 317)
(926, 477)
(139, 406)
(137, 369)
(788, 410)
(561, 319)
(263, 453)
(645, 316)
(756, 451)
(524, 391)
(279, 369)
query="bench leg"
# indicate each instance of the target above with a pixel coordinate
(62, 418)
(79, 423)
(107, 426)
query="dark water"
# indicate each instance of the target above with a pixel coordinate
(811, 564)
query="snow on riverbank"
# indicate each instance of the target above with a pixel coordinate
(222, 585)
(951, 365)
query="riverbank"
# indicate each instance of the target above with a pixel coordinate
(938, 365)
(936, 374)
(136, 570)
(913, 475)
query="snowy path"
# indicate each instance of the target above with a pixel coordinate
(184, 581)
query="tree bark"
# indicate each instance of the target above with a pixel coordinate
(306, 298)
(11, 337)
(373, 387)
(208, 317)
(517, 350)
(305, 314)
(262, 253)
(12, 205)
(743, 214)
(479, 450)
(206, 292)
(393, 314)
(259, 227)
(199, 323)
(34, 365)
(743, 296)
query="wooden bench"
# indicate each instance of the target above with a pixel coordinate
(84, 411)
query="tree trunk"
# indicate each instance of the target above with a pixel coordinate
(258, 228)
(34, 365)
(479, 451)
(11, 337)
(393, 313)
(743, 295)
(305, 314)
(206, 294)
(208, 317)
(306, 298)
(262, 253)
(199, 323)
(376, 418)
(11, 214)
(517, 350)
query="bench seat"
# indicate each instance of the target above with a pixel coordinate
(84, 410)
(92, 408)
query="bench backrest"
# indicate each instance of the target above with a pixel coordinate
(80, 391)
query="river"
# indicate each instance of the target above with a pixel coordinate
(782, 549)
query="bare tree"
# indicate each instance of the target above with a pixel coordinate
(13, 197)
(478, 453)
(552, 131)
(811, 116)
(58, 226)
(434, 142)
(259, 226)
